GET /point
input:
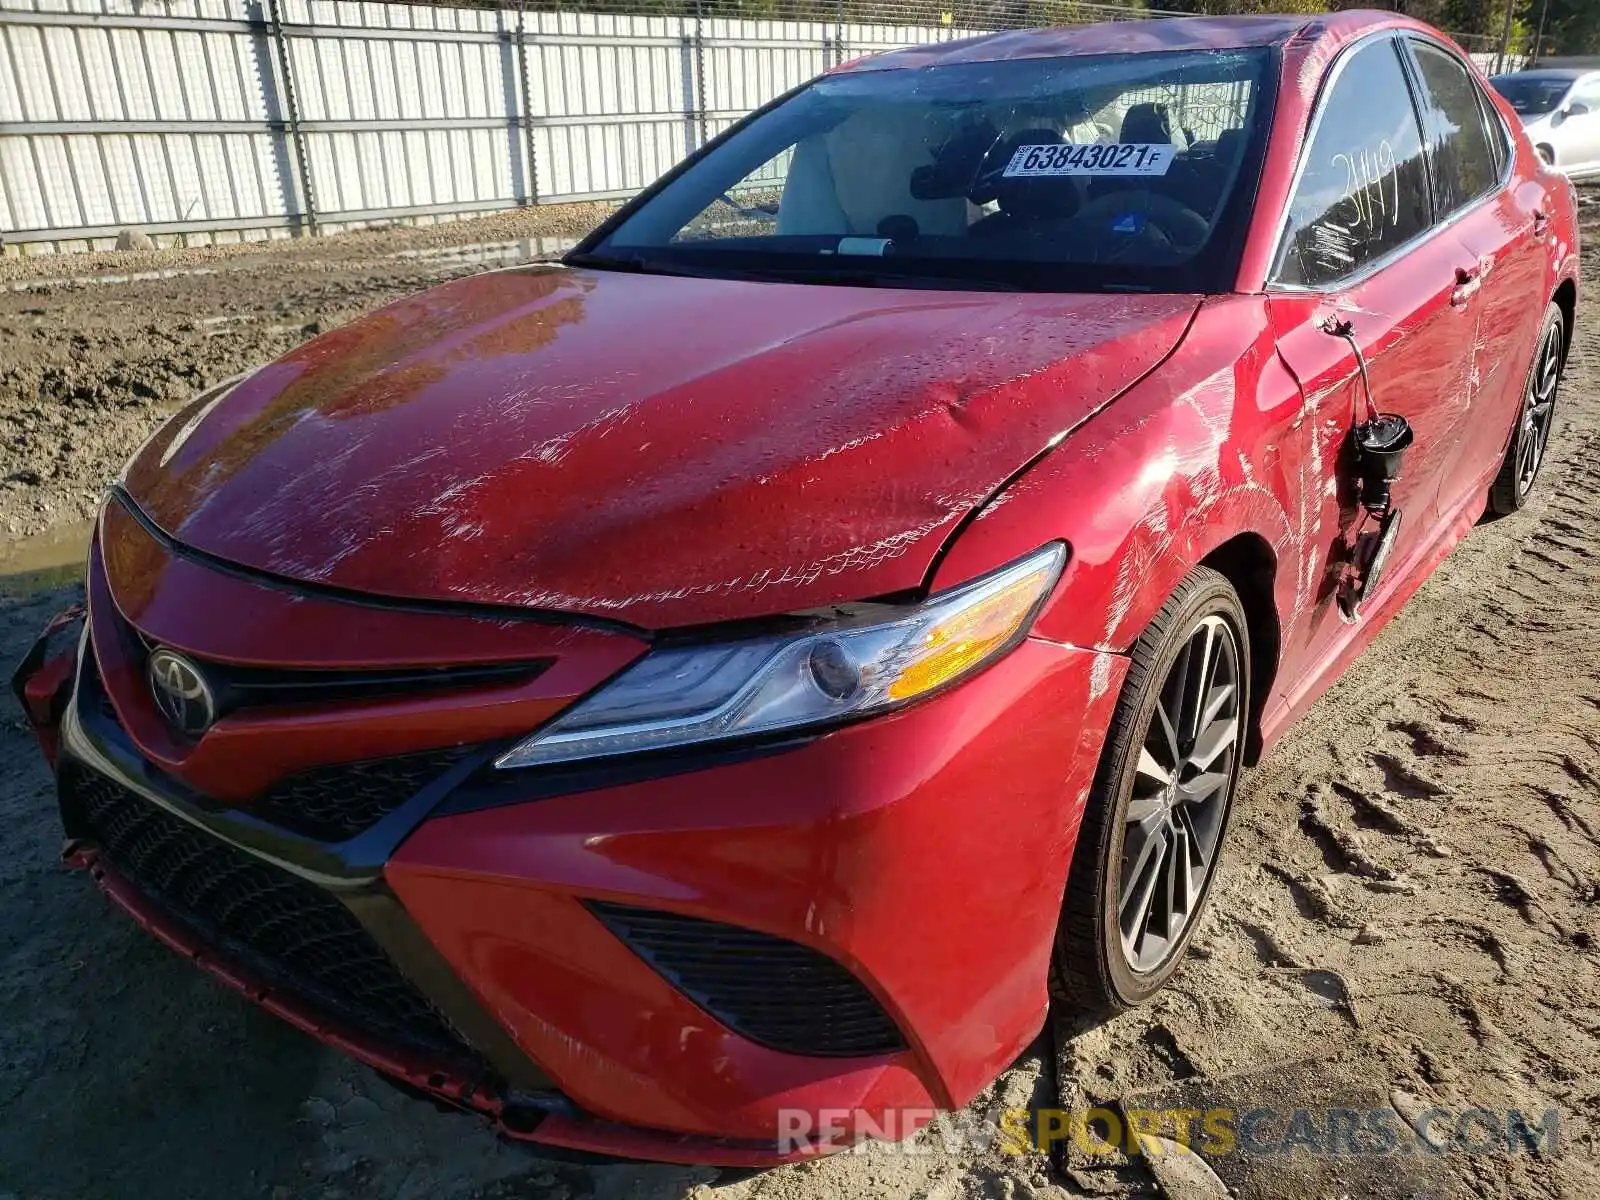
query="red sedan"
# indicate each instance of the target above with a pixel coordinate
(739, 675)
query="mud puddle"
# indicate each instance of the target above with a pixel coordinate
(45, 561)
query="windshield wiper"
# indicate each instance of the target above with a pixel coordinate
(823, 272)
(819, 273)
(640, 265)
(636, 263)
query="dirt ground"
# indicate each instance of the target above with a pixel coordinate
(90, 364)
(1407, 913)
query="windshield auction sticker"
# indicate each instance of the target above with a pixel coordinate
(1112, 158)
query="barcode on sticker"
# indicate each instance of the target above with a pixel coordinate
(1113, 158)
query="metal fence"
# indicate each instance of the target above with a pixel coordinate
(216, 120)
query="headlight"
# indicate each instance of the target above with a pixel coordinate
(686, 695)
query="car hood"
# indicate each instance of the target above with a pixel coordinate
(663, 451)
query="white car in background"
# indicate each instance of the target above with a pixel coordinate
(1560, 109)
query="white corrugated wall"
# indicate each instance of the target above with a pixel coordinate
(173, 116)
(194, 144)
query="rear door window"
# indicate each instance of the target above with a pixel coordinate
(1587, 93)
(1466, 161)
(1363, 188)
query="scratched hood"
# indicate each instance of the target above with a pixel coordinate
(663, 451)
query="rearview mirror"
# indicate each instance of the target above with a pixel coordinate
(1576, 108)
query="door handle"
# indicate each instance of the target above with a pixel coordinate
(1468, 281)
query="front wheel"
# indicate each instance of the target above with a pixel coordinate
(1153, 826)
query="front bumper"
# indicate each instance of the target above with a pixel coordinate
(924, 853)
(541, 1119)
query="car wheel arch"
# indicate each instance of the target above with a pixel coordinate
(1566, 299)
(1249, 562)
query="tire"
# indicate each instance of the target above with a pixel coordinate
(1095, 966)
(1530, 438)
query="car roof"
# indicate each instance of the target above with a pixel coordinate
(1135, 37)
(1552, 73)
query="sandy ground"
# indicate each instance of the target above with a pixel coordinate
(1407, 912)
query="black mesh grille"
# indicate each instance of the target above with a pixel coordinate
(778, 993)
(336, 802)
(289, 930)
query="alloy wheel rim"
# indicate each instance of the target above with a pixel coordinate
(1538, 410)
(1181, 786)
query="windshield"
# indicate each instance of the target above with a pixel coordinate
(1054, 174)
(1533, 95)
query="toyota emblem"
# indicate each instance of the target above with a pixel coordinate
(181, 693)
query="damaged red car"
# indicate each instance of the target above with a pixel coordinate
(751, 667)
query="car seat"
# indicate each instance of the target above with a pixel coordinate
(852, 177)
(1024, 200)
(1199, 177)
(1146, 124)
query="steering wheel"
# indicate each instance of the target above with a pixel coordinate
(1178, 224)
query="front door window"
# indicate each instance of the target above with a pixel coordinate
(1363, 191)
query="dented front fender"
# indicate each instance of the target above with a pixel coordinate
(1197, 454)
(42, 681)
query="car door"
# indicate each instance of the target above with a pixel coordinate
(1362, 245)
(1469, 163)
(1577, 128)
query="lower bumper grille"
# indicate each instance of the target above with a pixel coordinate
(778, 993)
(290, 931)
(337, 802)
